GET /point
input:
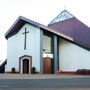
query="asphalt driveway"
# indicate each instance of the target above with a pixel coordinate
(44, 82)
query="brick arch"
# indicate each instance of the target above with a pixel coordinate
(21, 62)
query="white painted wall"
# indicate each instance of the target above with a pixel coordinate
(15, 47)
(72, 57)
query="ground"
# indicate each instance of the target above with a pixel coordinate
(44, 82)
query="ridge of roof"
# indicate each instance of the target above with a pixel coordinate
(67, 21)
(22, 20)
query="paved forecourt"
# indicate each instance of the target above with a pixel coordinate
(39, 76)
(44, 82)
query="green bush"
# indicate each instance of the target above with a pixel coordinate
(13, 70)
(33, 70)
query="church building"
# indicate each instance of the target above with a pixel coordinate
(62, 46)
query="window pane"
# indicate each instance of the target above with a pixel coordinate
(46, 44)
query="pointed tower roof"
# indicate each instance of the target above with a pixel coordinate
(64, 15)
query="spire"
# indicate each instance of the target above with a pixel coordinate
(64, 15)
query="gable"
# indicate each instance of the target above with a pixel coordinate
(18, 24)
(33, 33)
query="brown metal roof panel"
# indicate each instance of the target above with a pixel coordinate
(75, 29)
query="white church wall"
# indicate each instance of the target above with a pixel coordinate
(11, 54)
(16, 47)
(72, 57)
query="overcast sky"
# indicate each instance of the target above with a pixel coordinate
(42, 11)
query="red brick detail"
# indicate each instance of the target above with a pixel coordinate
(19, 64)
(30, 62)
(68, 72)
(8, 72)
(30, 58)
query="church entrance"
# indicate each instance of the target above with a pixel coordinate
(25, 66)
(47, 65)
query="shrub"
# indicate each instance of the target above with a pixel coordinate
(33, 70)
(83, 71)
(13, 70)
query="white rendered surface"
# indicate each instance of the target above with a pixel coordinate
(72, 57)
(15, 47)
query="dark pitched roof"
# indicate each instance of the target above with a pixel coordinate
(3, 63)
(75, 29)
(71, 29)
(22, 20)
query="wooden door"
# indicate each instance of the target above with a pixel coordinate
(47, 65)
(25, 66)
